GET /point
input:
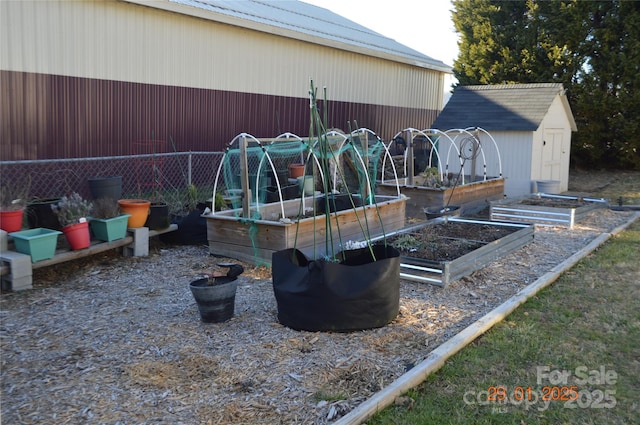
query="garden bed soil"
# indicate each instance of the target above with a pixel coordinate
(447, 240)
(555, 202)
(443, 250)
(545, 209)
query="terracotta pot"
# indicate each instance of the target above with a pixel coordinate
(296, 170)
(11, 221)
(138, 210)
(78, 235)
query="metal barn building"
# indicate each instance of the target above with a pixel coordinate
(531, 124)
(88, 78)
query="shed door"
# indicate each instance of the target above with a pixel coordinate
(552, 154)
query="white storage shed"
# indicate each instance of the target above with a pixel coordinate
(531, 124)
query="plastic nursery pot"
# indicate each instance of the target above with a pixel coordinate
(450, 211)
(158, 216)
(106, 187)
(11, 221)
(40, 214)
(216, 296)
(78, 235)
(296, 170)
(138, 210)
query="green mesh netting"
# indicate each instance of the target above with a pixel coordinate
(351, 160)
(258, 172)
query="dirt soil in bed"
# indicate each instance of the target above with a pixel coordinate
(447, 241)
(118, 340)
(554, 202)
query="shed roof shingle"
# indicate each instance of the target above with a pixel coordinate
(507, 107)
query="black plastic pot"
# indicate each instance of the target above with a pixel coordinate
(288, 192)
(158, 216)
(354, 294)
(337, 202)
(451, 211)
(40, 214)
(106, 187)
(216, 297)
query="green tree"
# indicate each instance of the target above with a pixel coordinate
(592, 47)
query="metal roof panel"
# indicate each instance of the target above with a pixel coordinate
(316, 24)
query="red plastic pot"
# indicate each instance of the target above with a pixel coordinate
(77, 235)
(11, 221)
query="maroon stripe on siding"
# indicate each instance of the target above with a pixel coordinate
(48, 116)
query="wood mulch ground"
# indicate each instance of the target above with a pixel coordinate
(118, 340)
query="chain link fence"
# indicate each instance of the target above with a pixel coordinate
(156, 177)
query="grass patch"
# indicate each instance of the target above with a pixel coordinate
(587, 323)
(325, 394)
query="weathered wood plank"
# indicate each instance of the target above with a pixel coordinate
(309, 235)
(470, 197)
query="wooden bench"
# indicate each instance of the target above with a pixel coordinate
(16, 269)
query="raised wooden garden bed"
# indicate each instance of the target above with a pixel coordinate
(545, 209)
(470, 197)
(254, 240)
(445, 249)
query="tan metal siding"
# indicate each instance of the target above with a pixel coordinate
(119, 41)
(87, 78)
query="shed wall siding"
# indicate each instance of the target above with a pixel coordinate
(515, 150)
(514, 155)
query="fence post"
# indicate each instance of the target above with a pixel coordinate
(189, 164)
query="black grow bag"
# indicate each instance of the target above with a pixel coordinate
(357, 293)
(192, 229)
